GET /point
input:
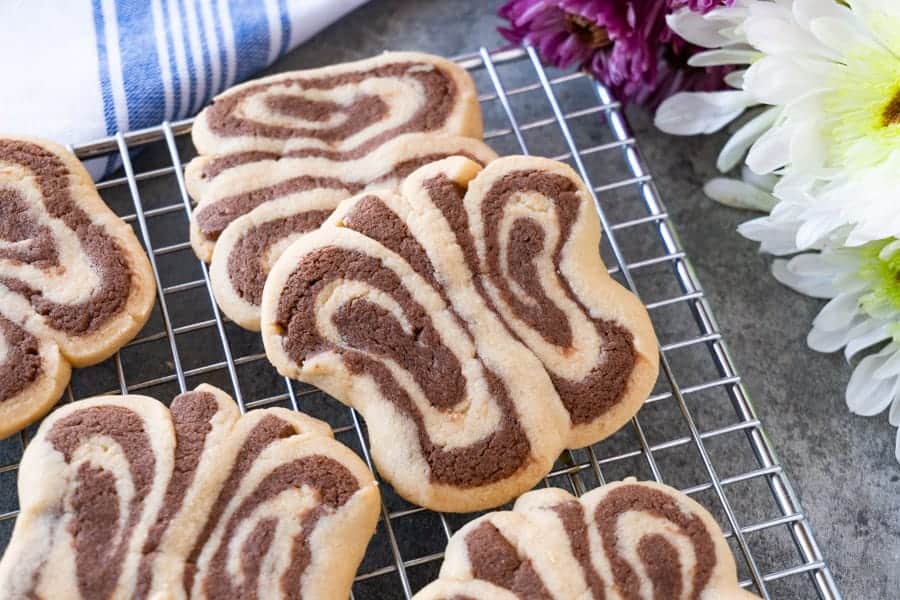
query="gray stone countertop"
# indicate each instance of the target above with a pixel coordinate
(842, 465)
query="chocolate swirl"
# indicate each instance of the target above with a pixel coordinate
(370, 335)
(512, 253)
(251, 228)
(101, 250)
(342, 112)
(629, 540)
(137, 513)
(76, 282)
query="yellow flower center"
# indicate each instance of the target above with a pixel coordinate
(891, 114)
(588, 33)
(862, 111)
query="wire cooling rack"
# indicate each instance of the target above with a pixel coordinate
(698, 431)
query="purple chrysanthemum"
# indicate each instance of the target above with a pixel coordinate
(625, 44)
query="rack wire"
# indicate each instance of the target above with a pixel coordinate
(698, 431)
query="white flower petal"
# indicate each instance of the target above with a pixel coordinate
(771, 151)
(735, 79)
(826, 341)
(779, 80)
(865, 335)
(807, 10)
(738, 194)
(765, 181)
(841, 34)
(774, 237)
(817, 227)
(838, 313)
(723, 56)
(811, 285)
(867, 395)
(696, 29)
(897, 447)
(691, 113)
(894, 414)
(808, 150)
(738, 144)
(891, 367)
(775, 37)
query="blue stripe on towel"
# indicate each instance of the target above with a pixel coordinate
(109, 111)
(173, 63)
(207, 61)
(189, 58)
(251, 37)
(141, 73)
(285, 27)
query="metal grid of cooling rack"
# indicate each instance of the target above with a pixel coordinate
(698, 431)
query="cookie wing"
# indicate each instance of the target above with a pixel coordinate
(629, 539)
(536, 233)
(74, 282)
(122, 497)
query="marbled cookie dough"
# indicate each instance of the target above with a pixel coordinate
(123, 498)
(386, 308)
(625, 540)
(250, 213)
(75, 283)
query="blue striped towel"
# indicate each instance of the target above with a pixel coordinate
(77, 70)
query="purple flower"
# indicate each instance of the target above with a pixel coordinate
(625, 44)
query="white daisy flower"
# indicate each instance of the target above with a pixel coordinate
(863, 285)
(828, 75)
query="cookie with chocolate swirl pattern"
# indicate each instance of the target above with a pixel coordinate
(75, 284)
(630, 539)
(390, 307)
(124, 498)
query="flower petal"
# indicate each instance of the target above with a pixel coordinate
(894, 414)
(691, 113)
(697, 30)
(841, 34)
(774, 237)
(771, 151)
(826, 341)
(867, 395)
(775, 37)
(735, 79)
(817, 287)
(807, 10)
(838, 313)
(779, 80)
(808, 150)
(723, 56)
(738, 144)
(891, 367)
(738, 194)
(865, 335)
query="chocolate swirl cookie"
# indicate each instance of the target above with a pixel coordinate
(340, 112)
(387, 308)
(626, 540)
(252, 212)
(74, 282)
(123, 498)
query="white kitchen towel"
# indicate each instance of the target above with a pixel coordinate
(77, 70)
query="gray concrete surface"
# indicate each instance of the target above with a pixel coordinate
(841, 465)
